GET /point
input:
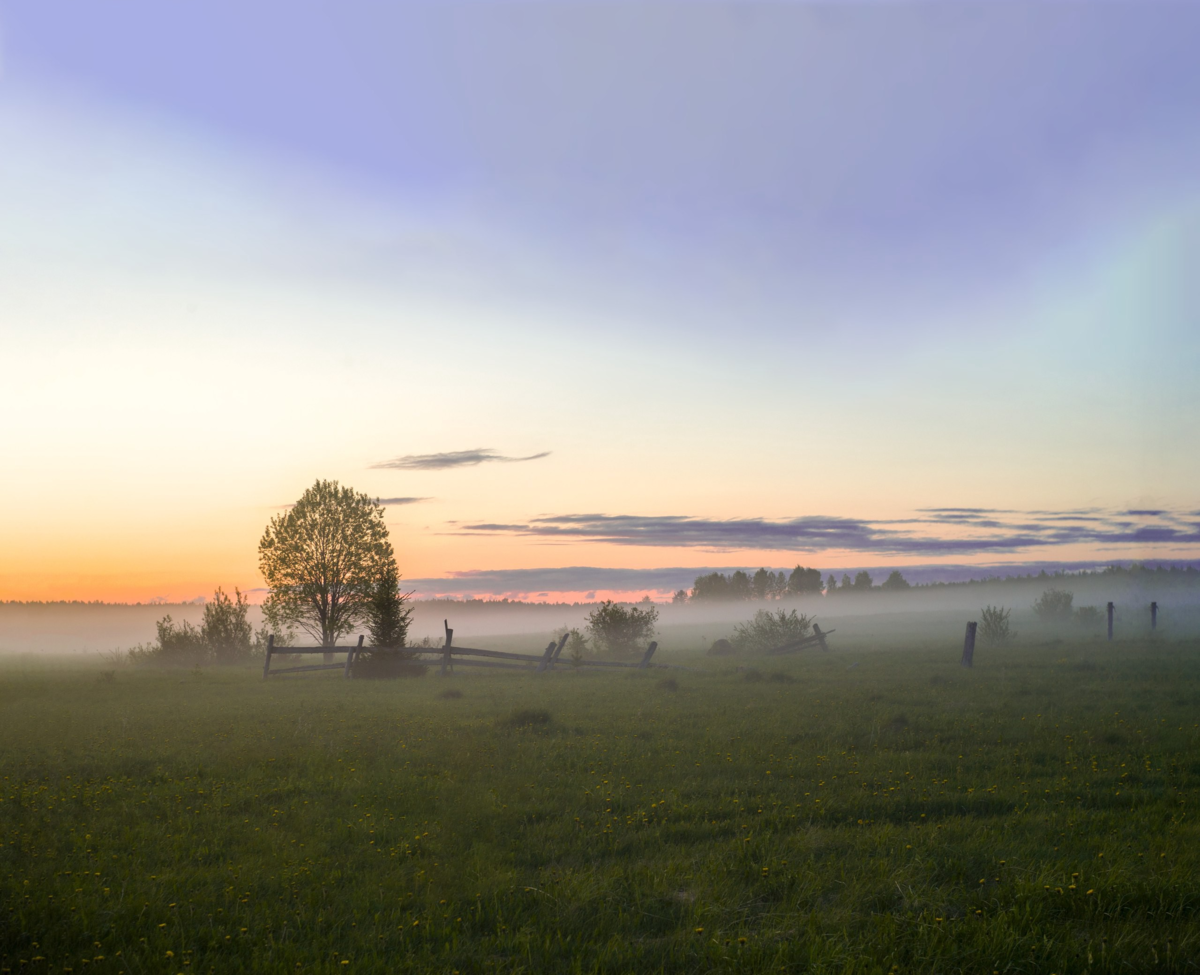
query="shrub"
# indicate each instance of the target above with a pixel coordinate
(576, 648)
(721, 648)
(1088, 616)
(1054, 604)
(621, 630)
(769, 630)
(994, 629)
(175, 646)
(225, 631)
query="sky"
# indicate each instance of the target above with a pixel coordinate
(602, 288)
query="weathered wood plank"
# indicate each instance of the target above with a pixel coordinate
(350, 657)
(649, 653)
(297, 670)
(817, 639)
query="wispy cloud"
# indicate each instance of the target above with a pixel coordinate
(451, 459)
(963, 531)
(390, 501)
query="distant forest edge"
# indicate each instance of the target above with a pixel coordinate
(801, 582)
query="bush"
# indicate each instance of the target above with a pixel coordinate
(225, 630)
(576, 648)
(994, 629)
(223, 637)
(175, 646)
(1088, 616)
(769, 630)
(621, 630)
(1053, 605)
(721, 648)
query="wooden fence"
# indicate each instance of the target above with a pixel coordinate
(451, 655)
(816, 640)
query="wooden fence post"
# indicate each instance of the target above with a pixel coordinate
(446, 664)
(350, 657)
(649, 653)
(545, 661)
(1110, 620)
(820, 637)
(1154, 616)
(270, 650)
(968, 657)
(559, 649)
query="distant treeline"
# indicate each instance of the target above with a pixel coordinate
(765, 584)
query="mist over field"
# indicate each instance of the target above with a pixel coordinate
(877, 617)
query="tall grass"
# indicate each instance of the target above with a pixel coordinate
(1031, 815)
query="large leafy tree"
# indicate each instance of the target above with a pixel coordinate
(323, 560)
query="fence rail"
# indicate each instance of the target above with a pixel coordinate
(450, 655)
(816, 640)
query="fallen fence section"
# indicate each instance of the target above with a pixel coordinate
(451, 655)
(816, 640)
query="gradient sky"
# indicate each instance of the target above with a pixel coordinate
(604, 285)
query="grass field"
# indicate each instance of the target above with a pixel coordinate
(866, 812)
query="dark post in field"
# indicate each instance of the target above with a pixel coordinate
(270, 650)
(558, 650)
(546, 655)
(351, 656)
(820, 635)
(446, 648)
(649, 653)
(968, 657)
(1110, 618)
(1154, 616)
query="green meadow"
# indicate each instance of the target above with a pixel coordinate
(866, 811)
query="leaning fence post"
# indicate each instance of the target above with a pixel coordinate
(649, 653)
(820, 637)
(270, 650)
(1110, 620)
(558, 650)
(446, 648)
(968, 657)
(545, 661)
(350, 655)
(1154, 616)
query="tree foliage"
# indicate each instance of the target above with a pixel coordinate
(994, 628)
(769, 630)
(763, 585)
(621, 630)
(223, 637)
(225, 629)
(804, 581)
(895, 582)
(323, 560)
(387, 613)
(1054, 605)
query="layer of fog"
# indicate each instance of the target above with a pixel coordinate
(936, 611)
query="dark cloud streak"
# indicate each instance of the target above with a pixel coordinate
(817, 533)
(451, 459)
